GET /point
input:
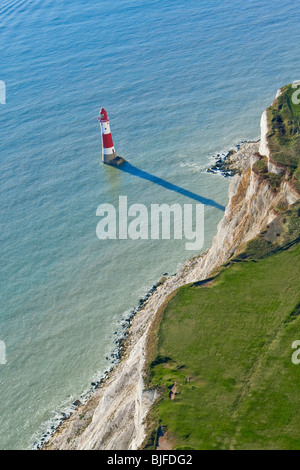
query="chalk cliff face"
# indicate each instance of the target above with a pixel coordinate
(113, 418)
(251, 207)
(264, 148)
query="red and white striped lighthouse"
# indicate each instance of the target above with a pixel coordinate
(108, 149)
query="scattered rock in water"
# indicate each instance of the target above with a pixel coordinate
(235, 161)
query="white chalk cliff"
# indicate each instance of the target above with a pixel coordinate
(264, 148)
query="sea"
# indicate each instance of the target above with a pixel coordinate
(182, 82)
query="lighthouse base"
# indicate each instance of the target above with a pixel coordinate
(114, 161)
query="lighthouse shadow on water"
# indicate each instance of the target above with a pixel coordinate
(110, 157)
(128, 168)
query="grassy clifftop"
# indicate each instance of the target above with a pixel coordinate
(284, 131)
(221, 355)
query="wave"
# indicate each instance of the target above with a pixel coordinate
(211, 159)
(11, 13)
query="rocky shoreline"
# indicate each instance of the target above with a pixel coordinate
(233, 162)
(131, 346)
(115, 358)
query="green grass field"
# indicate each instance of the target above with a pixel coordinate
(227, 346)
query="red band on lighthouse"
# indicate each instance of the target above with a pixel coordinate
(108, 149)
(107, 141)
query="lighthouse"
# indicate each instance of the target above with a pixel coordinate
(109, 155)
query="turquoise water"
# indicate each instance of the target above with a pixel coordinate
(181, 81)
